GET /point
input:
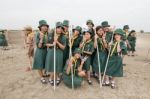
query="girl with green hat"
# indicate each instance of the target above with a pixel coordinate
(132, 42)
(75, 64)
(101, 43)
(115, 67)
(66, 34)
(41, 50)
(107, 30)
(90, 26)
(76, 38)
(57, 39)
(87, 47)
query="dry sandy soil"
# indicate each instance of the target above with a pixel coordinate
(15, 83)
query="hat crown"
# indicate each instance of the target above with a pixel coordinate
(77, 50)
(126, 27)
(78, 28)
(119, 31)
(59, 24)
(105, 23)
(65, 23)
(89, 21)
(42, 22)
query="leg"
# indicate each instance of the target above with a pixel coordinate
(43, 81)
(113, 83)
(89, 77)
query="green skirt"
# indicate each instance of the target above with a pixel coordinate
(39, 58)
(49, 64)
(115, 67)
(132, 44)
(65, 55)
(87, 64)
(102, 60)
(67, 79)
(3, 42)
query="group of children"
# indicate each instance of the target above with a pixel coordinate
(79, 54)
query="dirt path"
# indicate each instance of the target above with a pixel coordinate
(15, 83)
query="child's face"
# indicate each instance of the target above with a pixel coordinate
(59, 30)
(76, 32)
(87, 36)
(117, 37)
(100, 32)
(44, 28)
(77, 55)
(106, 29)
(90, 25)
(65, 28)
(132, 34)
(126, 30)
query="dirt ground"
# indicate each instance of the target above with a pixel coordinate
(15, 83)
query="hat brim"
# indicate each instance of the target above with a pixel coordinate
(87, 32)
(43, 25)
(106, 26)
(90, 23)
(76, 30)
(61, 27)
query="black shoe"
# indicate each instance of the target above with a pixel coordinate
(43, 81)
(89, 82)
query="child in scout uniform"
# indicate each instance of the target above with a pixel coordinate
(41, 50)
(124, 38)
(75, 64)
(115, 66)
(66, 34)
(132, 42)
(87, 47)
(55, 39)
(76, 38)
(3, 39)
(90, 25)
(29, 44)
(106, 27)
(100, 42)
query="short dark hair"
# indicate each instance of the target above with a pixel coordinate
(98, 27)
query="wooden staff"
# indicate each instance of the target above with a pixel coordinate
(70, 55)
(55, 61)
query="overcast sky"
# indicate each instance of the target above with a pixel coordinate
(15, 14)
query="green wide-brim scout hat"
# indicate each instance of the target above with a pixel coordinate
(77, 50)
(59, 24)
(89, 21)
(105, 24)
(126, 27)
(119, 31)
(66, 23)
(78, 28)
(43, 23)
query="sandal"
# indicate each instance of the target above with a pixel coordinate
(107, 83)
(113, 85)
(58, 82)
(89, 82)
(43, 81)
(51, 82)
